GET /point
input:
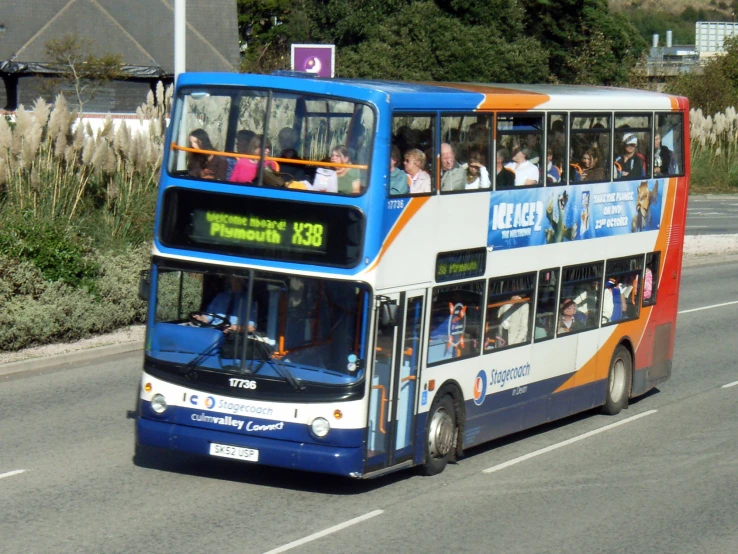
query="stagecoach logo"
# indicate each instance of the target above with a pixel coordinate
(480, 388)
(456, 325)
(210, 402)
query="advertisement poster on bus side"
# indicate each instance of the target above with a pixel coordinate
(537, 216)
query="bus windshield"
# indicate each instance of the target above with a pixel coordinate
(290, 328)
(272, 138)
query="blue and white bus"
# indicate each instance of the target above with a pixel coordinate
(355, 277)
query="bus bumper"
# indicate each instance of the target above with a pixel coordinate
(277, 453)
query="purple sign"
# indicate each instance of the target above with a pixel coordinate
(314, 58)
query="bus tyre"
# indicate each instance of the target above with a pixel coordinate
(618, 381)
(440, 435)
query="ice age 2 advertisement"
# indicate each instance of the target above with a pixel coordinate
(536, 216)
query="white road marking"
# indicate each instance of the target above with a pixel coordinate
(734, 383)
(325, 532)
(566, 442)
(11, 473)
(709, 307)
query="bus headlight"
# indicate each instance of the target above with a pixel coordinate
(320, 427)
(159, 404)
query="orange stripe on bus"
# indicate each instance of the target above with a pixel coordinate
(597, 367)
(501, 98)
(408, 213)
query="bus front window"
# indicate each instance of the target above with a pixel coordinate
(296, 329)
(272, 138)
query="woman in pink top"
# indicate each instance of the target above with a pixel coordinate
(420, 181)
(246, 170)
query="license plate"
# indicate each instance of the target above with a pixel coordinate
(235, 452)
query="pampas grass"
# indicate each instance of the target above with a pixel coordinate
(714, 150)
(58, 169)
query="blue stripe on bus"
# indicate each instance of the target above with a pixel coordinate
(304, 456)
(510, 416)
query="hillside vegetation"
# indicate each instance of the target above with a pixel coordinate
(723, 7)
(651, 17)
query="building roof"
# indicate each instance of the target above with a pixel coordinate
(141, 31)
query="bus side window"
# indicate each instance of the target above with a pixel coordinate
(668, 145)
(509, 301)
(456, 321)
(590, 160)
(580, 285)
(651, 278)
(520, 136)
(464, 153)
(557, 160)
(413, 135)
(621, 297)
(632, 146)
(545, 318)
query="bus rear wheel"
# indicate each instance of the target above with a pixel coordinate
(440, 435)
(618, 381)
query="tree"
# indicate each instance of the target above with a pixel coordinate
(79, 69)
(267, 28)
(586, 44)
(716, 88)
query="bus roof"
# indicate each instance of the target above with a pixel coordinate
(457, 96)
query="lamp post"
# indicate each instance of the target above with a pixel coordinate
(180, 32)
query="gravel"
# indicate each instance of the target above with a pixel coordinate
(697, 249)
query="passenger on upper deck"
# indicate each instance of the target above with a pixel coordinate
(287, 139)
(591, 169)
(630, 164)
(505, 176)
(663, 158)
(420, 181)
(205, 166)
(452, 174)
(553, 171)
(526, 174)
(247, 169)
(349, 178)
(346, 180)
(357, 144)
(243, 138)
(399, 180)
(476, 174)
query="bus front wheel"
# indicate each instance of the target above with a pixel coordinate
(618, 381)
(440, 435)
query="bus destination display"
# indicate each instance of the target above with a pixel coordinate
(218, 227)
(462, 264)
(266, 228)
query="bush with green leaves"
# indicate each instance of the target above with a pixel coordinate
(52, 246)
(35, 311)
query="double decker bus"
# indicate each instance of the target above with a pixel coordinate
(355, 277)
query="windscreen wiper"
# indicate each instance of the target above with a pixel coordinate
(268, 356)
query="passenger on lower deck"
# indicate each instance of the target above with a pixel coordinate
(567, 320)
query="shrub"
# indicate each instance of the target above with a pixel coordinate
(35, 311)
(52, 246)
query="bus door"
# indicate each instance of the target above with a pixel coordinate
(398, 327)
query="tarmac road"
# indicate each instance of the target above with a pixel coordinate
(664, 480)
